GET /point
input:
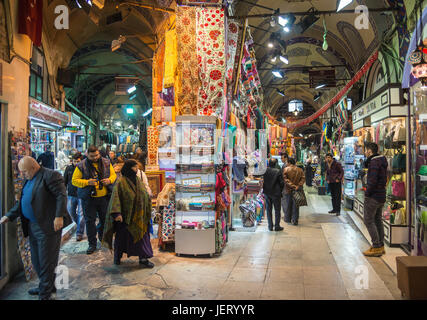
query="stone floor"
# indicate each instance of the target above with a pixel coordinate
(318, 259)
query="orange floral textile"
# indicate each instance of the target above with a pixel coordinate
(160, 67)
(211, 57)
(153, 143)
(188, 77)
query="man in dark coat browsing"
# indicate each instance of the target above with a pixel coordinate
(334, 176)
(273, 186)
(43, 212)
(375, 197)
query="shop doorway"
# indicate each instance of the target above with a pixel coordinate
(2, 194)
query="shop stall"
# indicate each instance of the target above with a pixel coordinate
(46, 123)
(383, 119)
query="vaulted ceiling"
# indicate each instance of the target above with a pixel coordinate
(348, 48)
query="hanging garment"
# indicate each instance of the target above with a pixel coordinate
(165, 98)
(170, 58)
(160, 67)
(187, 69)
(168, 222)
(211, 56)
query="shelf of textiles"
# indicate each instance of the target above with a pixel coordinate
(197, 188)
(202, 168)
(127, 148)
(166, 215)
(253, 186)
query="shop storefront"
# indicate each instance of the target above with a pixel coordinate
(68, 141)
(382, 119)
(2, 196)
(46, 124)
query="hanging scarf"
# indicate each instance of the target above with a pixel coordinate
(170, 58)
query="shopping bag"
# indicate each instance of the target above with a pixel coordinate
(398, 189)
(299, 197)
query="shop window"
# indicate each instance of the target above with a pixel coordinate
(38, 76)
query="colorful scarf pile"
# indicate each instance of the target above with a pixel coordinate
(211, 57)
(188, 77)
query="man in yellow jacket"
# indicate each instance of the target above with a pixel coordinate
(94, 178)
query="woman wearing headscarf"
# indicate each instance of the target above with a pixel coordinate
(128, 217)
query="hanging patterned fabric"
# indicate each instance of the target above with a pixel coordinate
(232, 39)
(341, 111)
(211, 57)
(170, 58)
(188, 76)
(153, 142)
(168, 222)
(166, 98)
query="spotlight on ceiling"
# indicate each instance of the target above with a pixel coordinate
(116, 44)
(273, 60)
(78, 4)
(343, 3)
(284, 59)
(283, 21)
(320, 86)
(317, 96)
(270, 45)
(280, 92)
(118, 123)
(277, 74)
(273, 21)
(286, 29)
(301, 135)
(308, 21)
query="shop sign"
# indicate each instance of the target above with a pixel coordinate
(386, 98)
(73, 120)
(43, 112)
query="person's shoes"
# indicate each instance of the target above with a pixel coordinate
(332, 211)
(35, 291)
(270, 229)
(382, 250)
(116, 261)
(278, 229)
(146, 264)
(373, 252)
(294, 223)
(50, 297)
(91, 250)
(79, 238)
(338, 214)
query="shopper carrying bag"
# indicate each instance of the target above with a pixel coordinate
(294, 178)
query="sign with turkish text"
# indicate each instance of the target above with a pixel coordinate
(43, 112)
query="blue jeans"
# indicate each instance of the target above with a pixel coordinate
(292, 212)
(76, 211)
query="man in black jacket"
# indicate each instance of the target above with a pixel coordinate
(43, 212)
(273, 186)
(47, 158)
(375, 197)
(74, 204)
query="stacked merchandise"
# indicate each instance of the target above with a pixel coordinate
(253, 186)
(166, 219)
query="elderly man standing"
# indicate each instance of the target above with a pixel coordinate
(43, 212)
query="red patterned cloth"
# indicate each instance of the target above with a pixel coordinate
(188, 76)
(160, 67)
(211, 57)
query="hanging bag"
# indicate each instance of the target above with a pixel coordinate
(399, 190)
(299, 198)
(388, 141)
(399, 161)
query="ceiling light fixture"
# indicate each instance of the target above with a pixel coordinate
(132, 89)
(343, 3)
(78, 4)
(273, 21)
(320, 86)
(286, 29)
(284, 59)
(274, 59)
(317, 96)
(277, 74)
(118, 123)
(270, 45)
(147, 112)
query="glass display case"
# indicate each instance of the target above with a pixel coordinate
(195, 185)
(418, 239)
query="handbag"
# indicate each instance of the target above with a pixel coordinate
(423, 170)
(399, 161)
(299, 198)
(388, 141)
(398, 189)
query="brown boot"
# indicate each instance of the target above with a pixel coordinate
(382, 250)
(373, 252)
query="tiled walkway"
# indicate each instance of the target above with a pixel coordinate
(319, 259)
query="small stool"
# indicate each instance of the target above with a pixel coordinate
(412, 276)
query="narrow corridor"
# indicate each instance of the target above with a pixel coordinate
(318, 259)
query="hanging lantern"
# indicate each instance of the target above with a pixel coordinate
(418, 59)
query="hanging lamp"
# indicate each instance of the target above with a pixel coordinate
(418, 57)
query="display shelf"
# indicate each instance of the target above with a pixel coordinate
(422, 178)
(195, 228)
